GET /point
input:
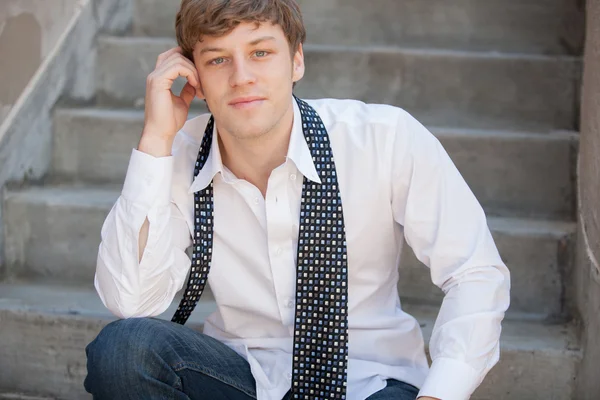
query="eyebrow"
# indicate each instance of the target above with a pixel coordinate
(252, 43)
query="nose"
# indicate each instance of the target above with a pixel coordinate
(241, 73)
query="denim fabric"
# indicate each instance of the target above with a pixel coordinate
(149, 358)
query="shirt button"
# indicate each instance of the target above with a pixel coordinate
(278, 251)
(256, 200)
(289, 376)
(293, 177)
(289, 303)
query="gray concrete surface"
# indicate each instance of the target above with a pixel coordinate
(505, 108)
(68, 318)
(53, 234)
(586, 290)
(500, 167)
(38, 24)
(445, 88)
(21, 396)
(537, 254)
(535, 26)
(25, 138)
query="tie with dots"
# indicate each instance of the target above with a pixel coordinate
(320, 353)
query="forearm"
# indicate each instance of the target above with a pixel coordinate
(156, 146)
(129, 282)
(141, 259)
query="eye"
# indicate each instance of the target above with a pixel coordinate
(261, 53)
(218, 61)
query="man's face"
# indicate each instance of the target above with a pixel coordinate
(247, 78)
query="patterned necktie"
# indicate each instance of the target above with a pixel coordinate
(320, 354)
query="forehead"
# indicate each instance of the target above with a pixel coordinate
(243, 35)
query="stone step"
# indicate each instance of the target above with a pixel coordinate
(537, 254)
(45, 330)
(53, 233)
(507, 171)
(502, 25)
(445, 88)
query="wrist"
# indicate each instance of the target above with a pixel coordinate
(155, 145)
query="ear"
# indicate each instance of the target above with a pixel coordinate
(298, 64)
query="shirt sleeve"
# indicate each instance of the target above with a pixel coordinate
(129, 287)
(447, 229)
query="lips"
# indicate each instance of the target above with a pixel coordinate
(244, 101)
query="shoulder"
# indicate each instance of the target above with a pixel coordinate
(382, 126)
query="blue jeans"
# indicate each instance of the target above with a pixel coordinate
(149, 358)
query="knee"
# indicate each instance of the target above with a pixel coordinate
(121, 346)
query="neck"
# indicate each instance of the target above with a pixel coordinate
(254, 159)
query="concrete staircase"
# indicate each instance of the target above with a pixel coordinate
(490, 78)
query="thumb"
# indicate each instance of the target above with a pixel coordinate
(187, 94)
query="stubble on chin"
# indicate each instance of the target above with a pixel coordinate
(241, 132)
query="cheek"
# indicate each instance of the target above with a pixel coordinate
(211, 86)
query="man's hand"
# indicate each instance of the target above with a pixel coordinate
(165, 113)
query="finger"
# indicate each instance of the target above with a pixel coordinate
(176, 69)
(164, 56)
(187, 94)
(183, 63)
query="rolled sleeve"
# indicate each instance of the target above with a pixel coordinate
(128, 286)
(148, 180)
(450, 379)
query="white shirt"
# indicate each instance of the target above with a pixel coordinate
(395, 180)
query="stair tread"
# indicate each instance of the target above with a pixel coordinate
(133, 114)
(83, 301)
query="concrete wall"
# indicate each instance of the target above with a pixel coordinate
(67, 72)
(29, 30)
(588, 255)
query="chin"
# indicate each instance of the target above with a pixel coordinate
(248, 131)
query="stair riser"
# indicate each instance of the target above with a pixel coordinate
(450, 89)
(46, 355)
(508, 174)
(535, 26)
(60, 243)
(52, 241)
(537, 266)
(442, 88)
(528, 177)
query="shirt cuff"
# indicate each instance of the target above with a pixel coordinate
(148, 179)
(449, 379)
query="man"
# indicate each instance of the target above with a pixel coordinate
(296, 213)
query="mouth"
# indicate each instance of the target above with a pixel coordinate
(247, 102)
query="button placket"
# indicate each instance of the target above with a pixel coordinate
(280, 241)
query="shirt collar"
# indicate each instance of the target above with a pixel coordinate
(298, 152)
(212, 166)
